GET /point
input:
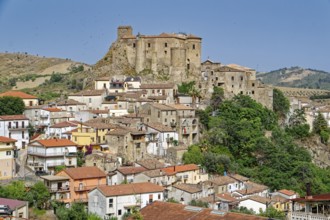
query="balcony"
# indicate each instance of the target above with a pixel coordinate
(309, 216)
(35, 164)
(42, 154)
(71, 154)
(55, 164)
(84, 188)
(44, 116)
(17, 128)
(61, 189)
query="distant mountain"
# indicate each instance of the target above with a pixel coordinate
(297, 77)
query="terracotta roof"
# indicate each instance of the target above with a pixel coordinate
(180, 107)
(225, 197)
(160, 127)
(174, 211)
(7, 140)
(19, 94)
(13, 117)
(287, 192)
(162, 106)
(55, 143)
(313, 198)
(130, 189)
(190, 188)
(69, 102)
(151, 164)
(157, 86)
(13, 203)
(131, 170)
(180, 168)
(154, 173)
(222, 180)
(65, 124)
(84, 173)
(118, 132)
(89, 93)
(53, 109)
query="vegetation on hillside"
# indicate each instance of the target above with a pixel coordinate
(11, 105)
(297, 77)
(236, 141)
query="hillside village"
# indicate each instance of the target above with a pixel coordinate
(118, 148)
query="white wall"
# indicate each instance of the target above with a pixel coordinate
(251, 204)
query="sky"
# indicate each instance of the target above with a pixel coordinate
(260, 34)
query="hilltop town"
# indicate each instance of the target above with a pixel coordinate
(161, 134)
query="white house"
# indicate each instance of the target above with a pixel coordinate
(92, 98)
(132, 83)
(252, 189)
(102, 83)
(124, 174)
(59, 130)
(115, 201)
(71, 106)
(185, 193)
(159, 138)
(255, 203)
(47, 154)
(16, 127)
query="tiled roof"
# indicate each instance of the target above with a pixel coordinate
(157, 86)
(19, 94)
(13, 203)
(252, 188)
(118, 132)
(239, 67)
(131, 170)
(53, 109)
(150, 164)
(287, 192)
(180, 107)
(13, 117)
(6, 140)
(225, 197)
(160, 127)
(104, 78)
(190, 188)
(84, 173)
(65, 124)
(98, 111)
(130, 189)
(222, 180)
(100, 125)
(239, 177)
(55, 143)
(89, 93)
(159, 97)
(69, 102)
(162, 106)
(174, 211)
(180, 168)
(154, 173)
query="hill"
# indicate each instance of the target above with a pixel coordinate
(297, 77)
(41, 75)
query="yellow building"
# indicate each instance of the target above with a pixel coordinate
(92, 134)
(7, 158)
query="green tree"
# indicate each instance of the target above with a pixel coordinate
(39, 194)
(77, 211)
(59, 168)
(186, 87)
(297, 124)
(199, 203)
(281, 104)
(93, 216)
(217, 97)
(193, 155)
(319, 124)
(11, 105)
(244, 210)
(15, 190)
(271, 212)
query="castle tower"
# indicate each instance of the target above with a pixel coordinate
(124, 31)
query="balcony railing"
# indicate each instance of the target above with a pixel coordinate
(17, 128)
(42, 154)
(61, 189)
(55, 164)
(35, 164)
(71, 154)
(308, 215)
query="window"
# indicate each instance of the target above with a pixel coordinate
(151, 198)
(110, 203)
(252, 84)
(8, 153)
(9, 124)
(149, 45)
(158, 114)
(90, 100)
(165, 120)
(165, 44)
(252, 92)
(23, 134)
(134, 45)
(241, 92)
(193, 47)
(159, 196)
(242, 78)
(165, 52)
(232, 78)
(30, 103)
(23, 124)
(119, 211)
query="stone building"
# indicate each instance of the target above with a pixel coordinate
(169, 55)
(234, 79)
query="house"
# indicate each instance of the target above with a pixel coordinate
(157, 176)
(175, 154)
(104, 161)
(81, 180)
(255, 203)
(185, 193)
(7, 158)
(19, 209)
(310, 207)
(252, 189)
(281, 199)
(221, 201)
(71, 106)
(166, 210)
(125, 174)
(29, 100)
(149, 164)
(92, 98)
(228, 183)
(159, 138)
(169, 90)
(188, 173)
(58, 187)
(132, 83)
(16, 127)
(115, 201)
(59, 130)
(102, 83)
(45, 155)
